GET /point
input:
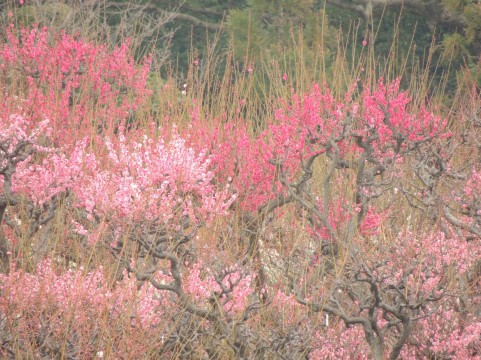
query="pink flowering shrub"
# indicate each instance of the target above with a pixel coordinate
(150, 180)
(446, 333)
(336, 342)
(49, 308)
(377, 128)
(19, 140)
(57, 172)
(80, 87)
(61, 91)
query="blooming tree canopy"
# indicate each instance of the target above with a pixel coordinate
(343, 227)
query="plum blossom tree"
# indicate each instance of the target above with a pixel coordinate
(364, 144)
(52, 81)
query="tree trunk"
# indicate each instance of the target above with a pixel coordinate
(4, 260)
